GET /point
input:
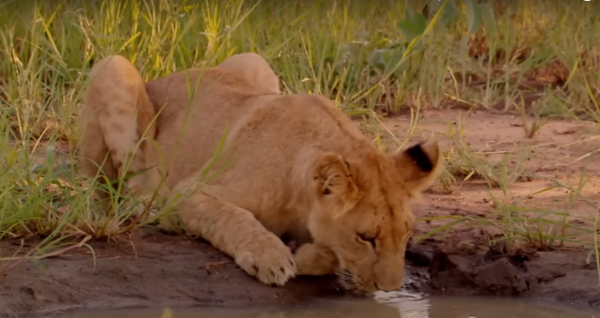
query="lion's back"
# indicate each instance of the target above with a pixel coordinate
(217, 102)
(269, 132)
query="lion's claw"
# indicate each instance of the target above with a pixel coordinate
(269, 260)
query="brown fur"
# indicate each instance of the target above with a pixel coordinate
(298, 167)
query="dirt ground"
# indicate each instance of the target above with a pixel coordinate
(460, 261)
(154, 269)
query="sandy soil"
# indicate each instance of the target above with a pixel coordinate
(155, 269)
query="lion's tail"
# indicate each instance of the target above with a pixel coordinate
(117, 114)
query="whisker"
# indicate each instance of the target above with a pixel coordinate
(350, 283)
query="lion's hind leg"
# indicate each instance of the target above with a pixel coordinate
(117, 114)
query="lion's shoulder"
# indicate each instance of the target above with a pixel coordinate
(246, 73)
(255, 69)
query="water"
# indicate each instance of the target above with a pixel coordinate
(386, 305)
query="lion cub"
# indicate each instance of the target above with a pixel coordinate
(292, 165)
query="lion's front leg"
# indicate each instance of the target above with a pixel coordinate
(236, 232)
(315, 260)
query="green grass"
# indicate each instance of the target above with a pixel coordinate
(370, 58)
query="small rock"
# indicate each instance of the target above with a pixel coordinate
(500, 276)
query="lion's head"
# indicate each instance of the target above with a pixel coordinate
(361, 210)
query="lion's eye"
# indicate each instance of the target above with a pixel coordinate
(365, 238)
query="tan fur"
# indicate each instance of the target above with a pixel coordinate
(297, 167)
(254, 68)
(116, 116)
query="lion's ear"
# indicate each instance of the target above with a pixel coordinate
(420, 165)
(334, 183)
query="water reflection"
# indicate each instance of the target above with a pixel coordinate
(386, 305)
(411, 305)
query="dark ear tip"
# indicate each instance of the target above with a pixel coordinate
(418, 154)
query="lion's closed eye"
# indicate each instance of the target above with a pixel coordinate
(367, 239)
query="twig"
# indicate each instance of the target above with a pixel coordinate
(51, 254)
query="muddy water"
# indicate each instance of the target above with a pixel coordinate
(386, 305)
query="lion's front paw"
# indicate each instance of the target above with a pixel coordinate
(316, 260)
(267, 259)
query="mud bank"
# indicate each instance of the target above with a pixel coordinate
(557, 277)
(153, 270)
(157, 270)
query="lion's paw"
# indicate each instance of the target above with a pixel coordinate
(315, 259)
(269, 260)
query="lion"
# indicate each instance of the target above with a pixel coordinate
(296, 167)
